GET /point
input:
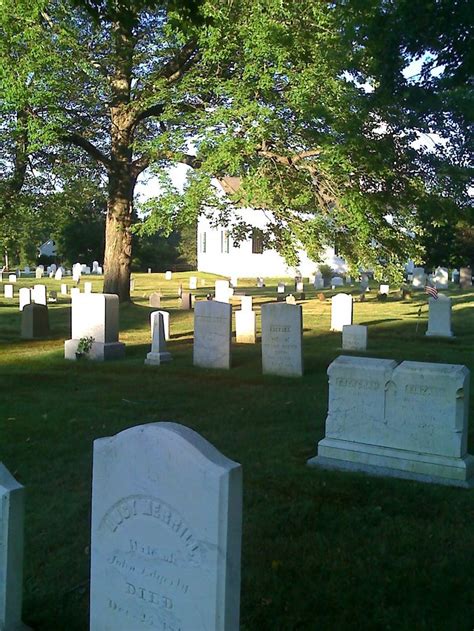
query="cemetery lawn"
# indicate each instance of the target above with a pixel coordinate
(321, 549)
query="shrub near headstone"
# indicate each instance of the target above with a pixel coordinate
(166, 532)
(11, 551)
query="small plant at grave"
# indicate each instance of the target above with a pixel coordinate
(84, 346)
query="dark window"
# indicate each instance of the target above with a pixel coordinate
(257, 241)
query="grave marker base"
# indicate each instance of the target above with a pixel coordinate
(399, 463)
(155, 359)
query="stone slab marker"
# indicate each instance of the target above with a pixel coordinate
(439, 317)
(407, 421)
(158, 354)
(34, 321)
(11, 552)
(166, 532)
(24, 297)
(282, 327)
(95, 315)
(245, 327)
(341, 311)
(39, 294)
(465, 277)
(354, 337)
(8, 291)
(212, 334)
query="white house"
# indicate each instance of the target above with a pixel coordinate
(218, 255)
(48, 248)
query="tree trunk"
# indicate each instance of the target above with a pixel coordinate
(118, 238)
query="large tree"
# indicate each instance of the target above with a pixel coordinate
(306, 102)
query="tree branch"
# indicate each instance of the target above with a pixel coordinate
(83, 143)
(288, 160)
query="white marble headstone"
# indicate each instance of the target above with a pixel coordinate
(87, 287)
(166, 322)
(11, 551)
(246, 303)
(222, 290)
(439, 317)
(158, 354)
(212, 334)
(341, 311)
(12, 278)
(168, 275)
(282, 329)
(441, 278)
(8, 291)
(59, 273)
(384, 289)
(354, 337)
(281, 288)
(39, 294)
(245, 327)
(24, 297)
(166, 532)
(39, 271)
(419, 278)
(193, 282)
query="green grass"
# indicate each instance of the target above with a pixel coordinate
(321, 550)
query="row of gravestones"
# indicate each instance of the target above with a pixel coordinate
(167, 506)
(439, 279)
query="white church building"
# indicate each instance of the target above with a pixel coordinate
(218, 255)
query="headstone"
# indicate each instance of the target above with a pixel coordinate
(11, 551)
(441, 277)
(341, 311)
(26, 270)
(39, 294)
(222, 293)
(97, 316)
(99, 270)
(186, 301)
(364, 283)
(193, 282)
(281, 288)
(158, 354)
(408, 421)
(168, 275)
(34, 321)
(282, 327)
(245, 327)
(166, 323)
(465, 277)
(12, 278)
(354, 337)
(53, 296)
(246, 303)
(455, 276)
(64, 289)
(59, 273)
(290, 299)
(8, 291)
(76, 272)
(166, 532)
(336, 281)
(86, 269)
(24, 297)
(260, 282)
(155, 299)
(87, 287)
(51, 274)
(149, 270)
(299, 286)
(234, 281)
(439, 317)
(53, 268)
(318, 281)
(75, 291)
(384, 289)
(39, 271)
(95, 267)
(212, 334)
(419, 278)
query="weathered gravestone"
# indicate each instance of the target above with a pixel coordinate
(11, 551)
(193, 282)
(419, 278)
(282, 329)
(354, 337)
(186, 301)
(212, 334)
(318, 281)
(8, 291)
(87, 287)
(24, 296)
(341, 311)
(408, 421)
(439, 317)
(34, 321)
(465, 277)
(75, 291)
(39, 271)
(166, 323)
(222, 290)
(39, 294)
(59, 274)
(97, 316)
(245, 326)
(441, 277)
(158, 354)
(12, 278)
(168, 275)
(166, 532)
(155, 299)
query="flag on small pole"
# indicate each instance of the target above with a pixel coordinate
(431, 291)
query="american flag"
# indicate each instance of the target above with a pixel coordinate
(432, 291)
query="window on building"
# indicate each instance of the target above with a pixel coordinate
(202, 242)
(257, 241)
(225, 242)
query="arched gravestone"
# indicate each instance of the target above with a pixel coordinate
(341, 311)
(166, 532)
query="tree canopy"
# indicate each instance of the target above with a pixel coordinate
(309, 104)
